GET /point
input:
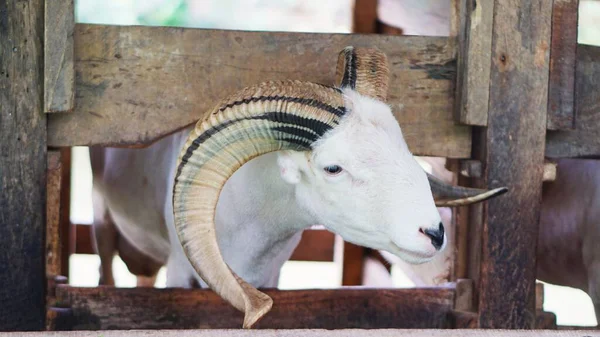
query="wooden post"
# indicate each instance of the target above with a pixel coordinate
(67, 230)
(514, 144)
(563, 56)
(59, 73)
(475, 40)
(53, 206)
(22, 166)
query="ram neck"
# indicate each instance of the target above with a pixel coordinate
(259, 221)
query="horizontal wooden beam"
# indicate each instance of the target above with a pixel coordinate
(173, 308)
(577, 331)
(316, 244)
(137, 84)
(468, 320)
(574, 331)
(584, 141)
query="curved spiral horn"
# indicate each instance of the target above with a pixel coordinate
(366, 71)
(264, 118)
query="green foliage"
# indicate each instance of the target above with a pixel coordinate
(172, 13)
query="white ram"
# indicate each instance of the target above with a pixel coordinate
(234, 193)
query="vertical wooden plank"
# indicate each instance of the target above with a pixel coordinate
(353, 264)
(563, 56)
(474, 58)
(22, 166)
(460, 221)
(455, 15)
(463, 299)
(59, 71)
(364, 16)
(67, 230)
(53, 193)
(514, 144)
(53, 239)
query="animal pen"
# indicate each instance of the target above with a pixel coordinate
(506, 93)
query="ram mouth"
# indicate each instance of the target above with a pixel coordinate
(411, 253)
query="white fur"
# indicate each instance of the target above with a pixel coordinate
(381, 199)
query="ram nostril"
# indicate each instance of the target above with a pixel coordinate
(436, 235)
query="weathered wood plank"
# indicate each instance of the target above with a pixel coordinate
(474, 60)
(584, 141)
(53, 238)
(563, 51)
(119, 308)
(169, 77)
(22, 166)
(67, 231)
(459, 319)
(577, 332)
(364, 16)
(514, 144)
(468, 320)
(353, 264)
(59, 70)
(53, 193)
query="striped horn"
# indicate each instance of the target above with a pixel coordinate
(366, 71)
(267, 117)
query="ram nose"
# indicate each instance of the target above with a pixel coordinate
(436, 235)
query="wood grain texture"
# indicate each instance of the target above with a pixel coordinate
(59, 70)
(468, 320)
(459, 319)
(463, 299)
(118, 308)
(22, 166)
(563, 51)
(474, 60)
(53, 193)
(515, 140)
(584, 141)
(53, 238)
(576, 332)
(136, 84)
(67, 231)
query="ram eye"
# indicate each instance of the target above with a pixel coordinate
(333, 169)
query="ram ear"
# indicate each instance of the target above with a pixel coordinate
(291, 164)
